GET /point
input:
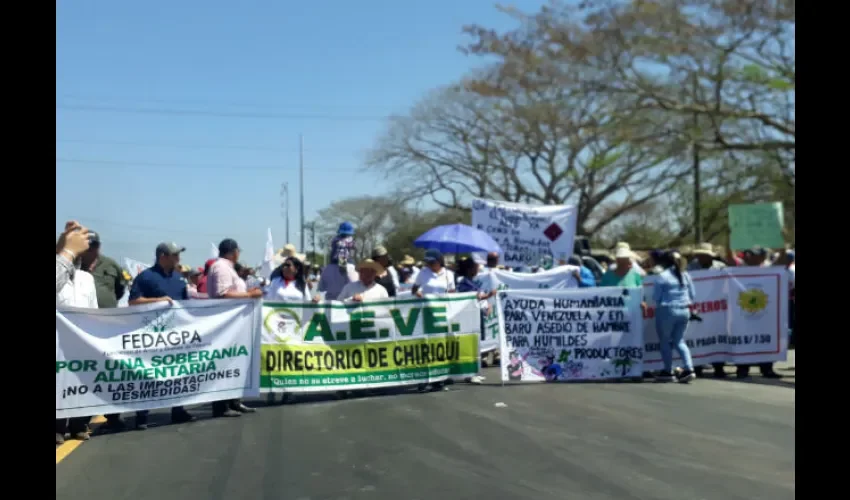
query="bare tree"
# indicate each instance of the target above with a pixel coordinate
(371, 216)
(675, 75)
(504, 138)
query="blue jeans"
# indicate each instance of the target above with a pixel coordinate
(671, 324)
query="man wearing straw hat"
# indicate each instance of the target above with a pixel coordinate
(365, 288)
(705, 258)
(622, 245)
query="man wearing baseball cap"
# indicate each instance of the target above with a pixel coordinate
(108, 276)
(160, 283)
(223, 282)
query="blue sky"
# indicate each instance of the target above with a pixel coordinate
(180, 120)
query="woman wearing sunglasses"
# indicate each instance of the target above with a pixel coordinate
(288, 283)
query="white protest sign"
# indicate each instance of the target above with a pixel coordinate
(578, 334)
(527, 233)
(744, 315)
(134, 267)
(559, 277)
(156, 356)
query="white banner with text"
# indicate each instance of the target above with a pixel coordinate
(744, 313)
(557, 278)
(156, 356)
(528, 234)
(579, 334)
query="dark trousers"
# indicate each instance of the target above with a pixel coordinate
(763, 367)
(72, 426)
(143, 414)
(220, 407)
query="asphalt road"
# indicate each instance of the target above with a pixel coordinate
(709, 440)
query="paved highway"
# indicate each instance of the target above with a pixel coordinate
(712, 439)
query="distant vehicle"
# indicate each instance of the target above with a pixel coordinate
(581, 246)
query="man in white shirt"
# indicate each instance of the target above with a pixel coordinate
(78, 291)
(434, 278)
(365, 288)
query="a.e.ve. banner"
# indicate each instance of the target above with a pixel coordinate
(329, 346)
(571, 334)
(156, 356)
(744, 313)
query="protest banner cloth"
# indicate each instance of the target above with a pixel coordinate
(756, 224)
(331, 346)
(579, 334)
(556, 278)
(156, 356)
(744, 314)
(528, 234)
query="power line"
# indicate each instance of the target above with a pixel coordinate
(220, 114)
(196, 102)
(84, 220)
(119, 163)
(176, 146)
(195, 146)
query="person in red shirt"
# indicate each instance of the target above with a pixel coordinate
(202, 282)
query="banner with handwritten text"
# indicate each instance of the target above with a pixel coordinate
(528, 234)
(571, 334)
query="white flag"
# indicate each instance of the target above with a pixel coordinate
(268, 258)
(213, 251)
(134, 267)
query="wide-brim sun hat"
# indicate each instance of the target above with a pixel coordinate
(370, 264)
(624, 253)
(704, 249)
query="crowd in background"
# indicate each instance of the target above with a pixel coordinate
(85, 277)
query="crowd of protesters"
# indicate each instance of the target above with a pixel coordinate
(87, 278)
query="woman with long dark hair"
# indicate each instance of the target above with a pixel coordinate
(288, 282)
(674, 294)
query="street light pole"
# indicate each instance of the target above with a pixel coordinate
(301, 168)
(284, 206)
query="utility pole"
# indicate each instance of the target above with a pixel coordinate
(695, 137)
(301, 168)
(697, 198)
(697, 184)
(313, 237)
(284, 207)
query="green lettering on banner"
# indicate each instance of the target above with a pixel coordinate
(319, 327)
(405, 329)
(434, 320)
(359, 326)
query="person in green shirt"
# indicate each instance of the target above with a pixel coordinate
(624, 274)
(108, 276)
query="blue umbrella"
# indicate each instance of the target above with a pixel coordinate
(457, 238)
